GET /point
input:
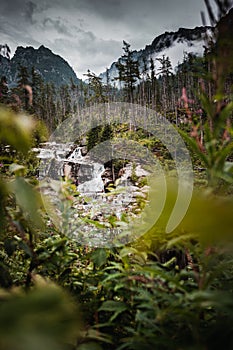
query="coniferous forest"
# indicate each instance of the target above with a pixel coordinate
(165, 290)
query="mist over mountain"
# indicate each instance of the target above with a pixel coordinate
(51, 67)
(171, 44)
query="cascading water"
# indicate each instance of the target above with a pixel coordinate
(76, 156)
(95, 184)
(59, 160)
(66, 161)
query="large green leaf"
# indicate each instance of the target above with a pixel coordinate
(99, 257)
(113, 306)
(28, 199)
(223, 116)
(193, 145)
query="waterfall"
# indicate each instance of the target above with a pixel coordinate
(76, 156)
(59, 160)
(67, 161)
(95, 184)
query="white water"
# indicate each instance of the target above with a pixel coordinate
(100, 205)
(89, 173)
(96, 184)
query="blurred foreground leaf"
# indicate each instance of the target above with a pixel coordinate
(28, 199)
(16, 129)
(43, 318)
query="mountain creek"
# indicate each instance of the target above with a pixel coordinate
(106, 199)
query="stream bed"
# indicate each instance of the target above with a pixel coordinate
(102, 210)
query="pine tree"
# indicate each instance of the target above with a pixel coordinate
(36, 83)
(93, 137)
(166, 66)
(128, 69)
(48, 105)
(154, 89)
(108, 85)
(107, 133)
(144, 78)
(96, 87)
(65, 98)
(74, 96)
(3, 90)
(165, 71)
(23, 82)
(152, 70)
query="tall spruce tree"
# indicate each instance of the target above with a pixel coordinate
(165, 71)
(144, 76)
(93, 136)
(36, 83)
(3, 90)
(65, 98)
(154, 84)
(95, 87)
(23, 80)
(128, 69)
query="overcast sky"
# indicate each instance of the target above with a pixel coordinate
(89, 33)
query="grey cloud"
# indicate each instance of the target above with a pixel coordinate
(88, 51)
(29, 11)
(21, 10)
(135, 10)
(93, 29)
(106, 9)
(10, 7)
(56, 24)
(90, 45)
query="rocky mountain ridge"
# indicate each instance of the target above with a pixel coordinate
(51, 67)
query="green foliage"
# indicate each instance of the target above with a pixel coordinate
(168, 291)
(143, 295)
(98, 134)
(217, 146)
(93, 137)
(134, 177)
(40, 134)
(150, 304)
(15, 129)
(43, 318)
(96, 87)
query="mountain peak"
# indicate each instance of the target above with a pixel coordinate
(52, 68)
(21, 48)
(42, 48)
